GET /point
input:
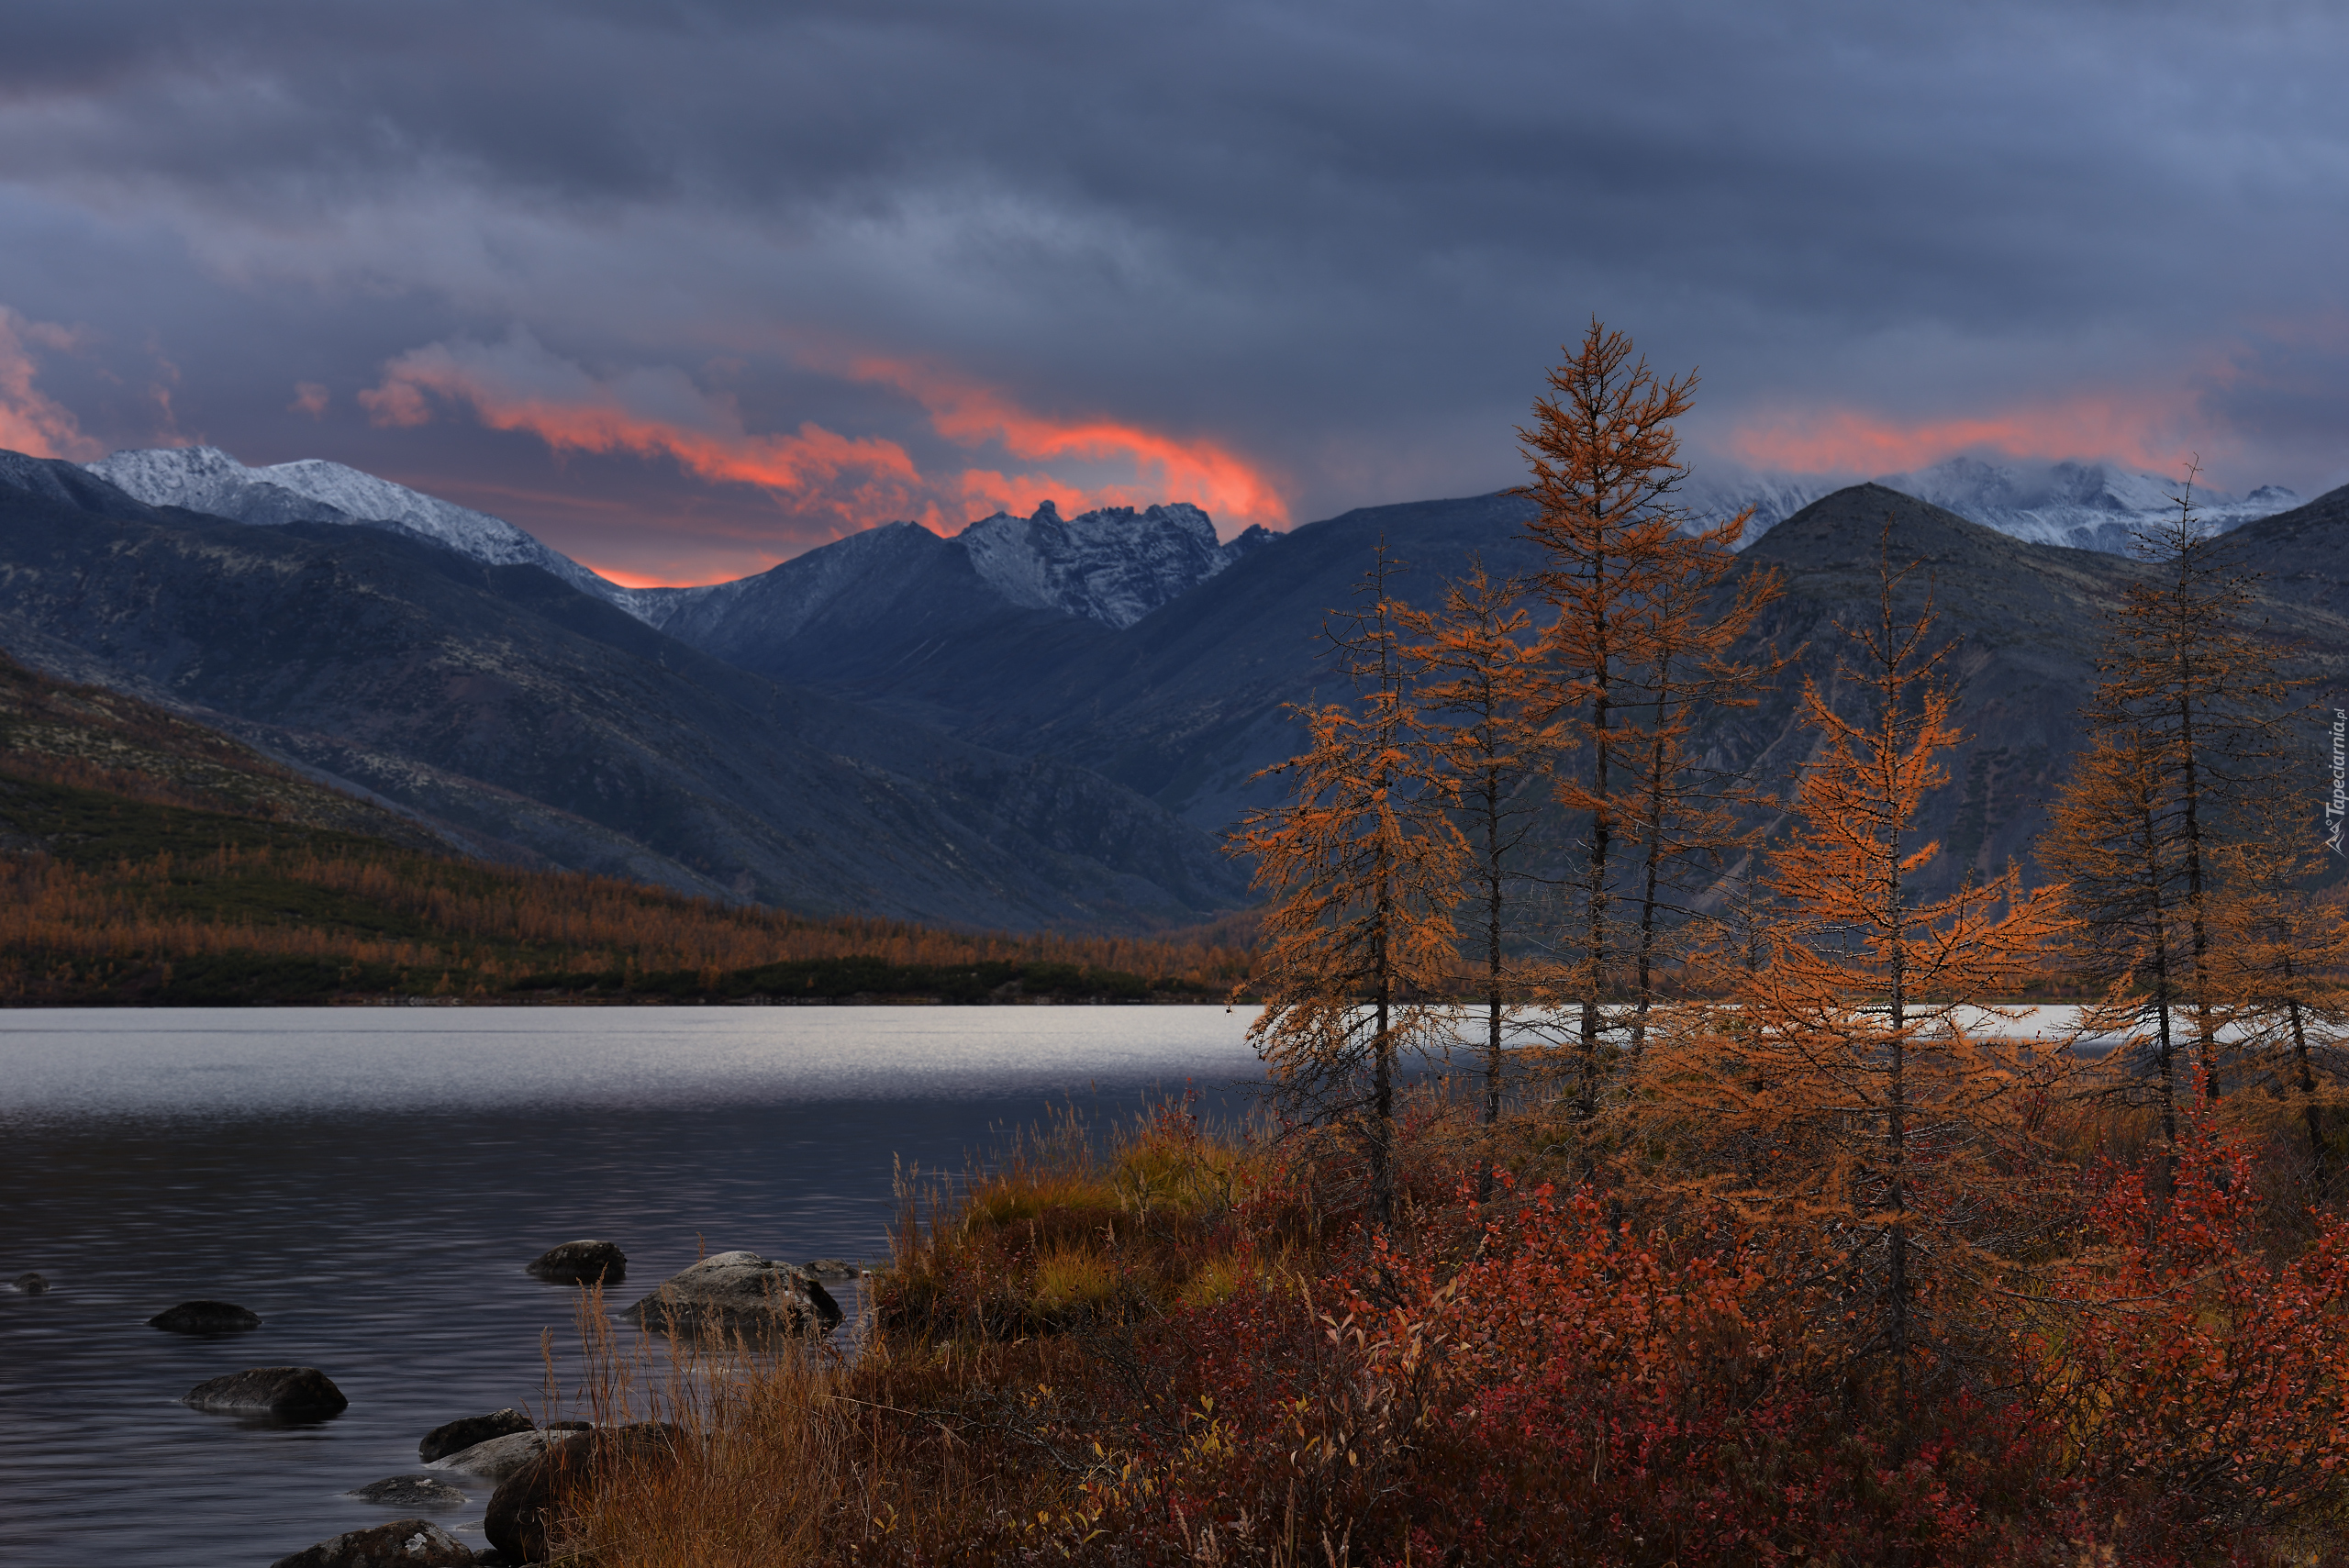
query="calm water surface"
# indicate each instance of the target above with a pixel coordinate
(370, 1182)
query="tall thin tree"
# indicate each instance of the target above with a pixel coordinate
(2193, 681)
(1473, 666)
(1606, 471)
(1363, 861)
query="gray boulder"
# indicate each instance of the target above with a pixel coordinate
(495, 1459)
(205, 1318)
(410, 1492)
(403, 1543)
(455, 1436)
(290, 1391)
(738, 1295)
(531, 1503)
(581, 1263)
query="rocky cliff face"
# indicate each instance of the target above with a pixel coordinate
(1114, 566)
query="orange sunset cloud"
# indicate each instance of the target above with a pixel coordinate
(2128, 429)
(30, 422)
(857, 481)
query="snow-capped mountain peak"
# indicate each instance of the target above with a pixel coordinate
(206, 478)
(2086, 506)
(1114, 565)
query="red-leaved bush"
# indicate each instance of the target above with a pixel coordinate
(2201, 1383)
(1575, 1393)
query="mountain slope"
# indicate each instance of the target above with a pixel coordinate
(505, 701)
(206, 478)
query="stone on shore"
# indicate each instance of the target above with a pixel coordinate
(205, 1318)
(833, 1268)
(290, 1391)
(533, 1501)
(403, 1543)
(581, 1263)
(455, 1436)
(410, 1492)
(495, 1459)
(738, 1293)
(31, 1284)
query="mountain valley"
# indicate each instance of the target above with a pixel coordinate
(1041, 723)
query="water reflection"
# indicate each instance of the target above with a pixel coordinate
(370, 1182)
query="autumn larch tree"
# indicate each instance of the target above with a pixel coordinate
(2283, 960)
(1472, 668)
(1364, 862)
(1851, 1073)
(2114, 842)
(2189, 679)
(1620, 555)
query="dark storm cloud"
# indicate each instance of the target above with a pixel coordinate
(1338, 243)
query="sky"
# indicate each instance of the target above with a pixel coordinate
(688, 289)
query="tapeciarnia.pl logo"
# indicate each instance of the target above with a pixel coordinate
(2336, 810)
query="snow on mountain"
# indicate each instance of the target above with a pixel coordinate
(2086, 506)
(2082, 504)
(1774, 497)
(206, 478)
(1114, 565)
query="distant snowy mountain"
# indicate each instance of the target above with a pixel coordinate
(2085, 506)
(1774, 497)
(1114, 566)
(206, 478)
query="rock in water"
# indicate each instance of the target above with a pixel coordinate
(403, 1543)
(533, 1500)
(582, 1262)
(833, 1268)
(495, 1459)
(31, 1284)
(411, 1492)
(738, 1293)
(455, 1436)
(205, 1318)
(271, 1391)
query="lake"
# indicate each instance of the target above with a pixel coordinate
(372, 1181)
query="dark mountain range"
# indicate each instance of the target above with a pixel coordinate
(780, 737)
(508, 707)
(2023, 620)
(1188, 704)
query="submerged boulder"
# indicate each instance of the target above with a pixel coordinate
(30, 1284)
(292, 1391)
(455, 1436)
(410, 1492)
(205, 1318)
(738, 1293)
(532, 1502)
(581, 1263)
(403, 1543)
(495, 1459)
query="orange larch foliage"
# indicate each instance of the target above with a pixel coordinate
(1853, 1095)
